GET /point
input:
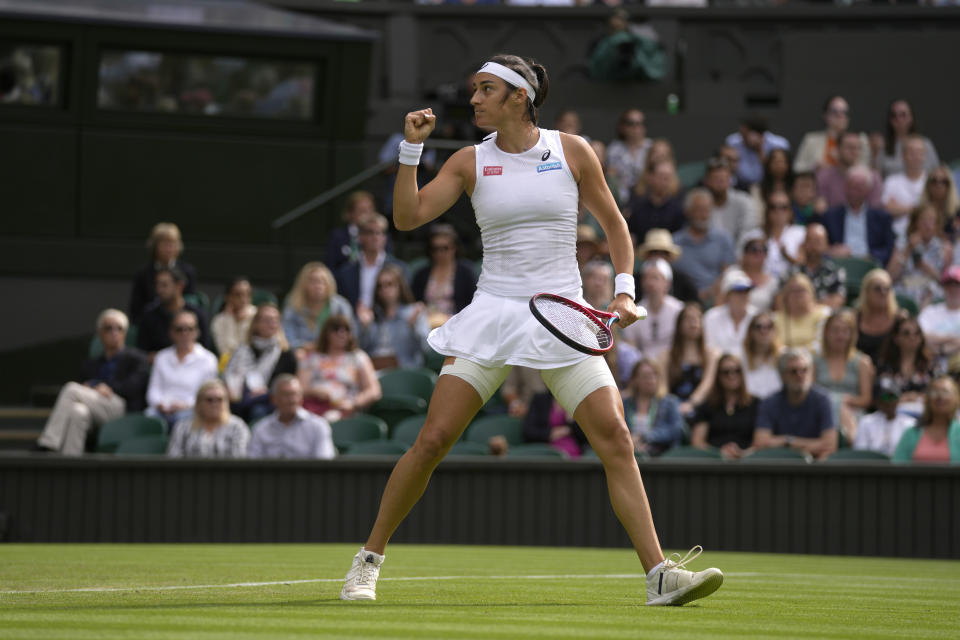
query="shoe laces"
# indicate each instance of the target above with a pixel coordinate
(676, 562)
(364, 572)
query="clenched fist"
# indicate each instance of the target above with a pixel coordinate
(418, 125)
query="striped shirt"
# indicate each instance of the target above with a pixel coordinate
(229, 440)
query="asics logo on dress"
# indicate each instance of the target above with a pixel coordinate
(546, 154)
(493, 171)
(549, 166)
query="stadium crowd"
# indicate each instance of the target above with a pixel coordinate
(804, 301)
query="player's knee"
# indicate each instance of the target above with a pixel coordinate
(431, 446)
(615, 440)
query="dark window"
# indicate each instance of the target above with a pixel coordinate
(156, 82)
(29, 74)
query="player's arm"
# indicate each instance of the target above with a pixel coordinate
(413, 207)
(597, 198)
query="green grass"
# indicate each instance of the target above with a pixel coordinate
(764, 596)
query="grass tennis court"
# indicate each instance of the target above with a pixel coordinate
(208, 591)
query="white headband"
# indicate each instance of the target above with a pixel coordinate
(509, 75)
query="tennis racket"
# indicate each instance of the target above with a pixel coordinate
(586, 330)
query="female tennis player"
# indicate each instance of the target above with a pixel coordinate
(525, 184)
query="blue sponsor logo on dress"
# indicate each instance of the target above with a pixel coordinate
(549, 166)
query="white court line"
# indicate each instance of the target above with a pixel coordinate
(578, 576)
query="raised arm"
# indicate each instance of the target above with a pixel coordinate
(412, 206)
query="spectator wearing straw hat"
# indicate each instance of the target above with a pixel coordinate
(658, 243)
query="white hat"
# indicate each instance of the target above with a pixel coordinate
(736, 280)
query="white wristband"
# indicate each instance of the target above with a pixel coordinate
(625, 284)
(410, 153)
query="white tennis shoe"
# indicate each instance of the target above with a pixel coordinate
(361, 580)
(673, 585)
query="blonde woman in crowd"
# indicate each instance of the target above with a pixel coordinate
(800, 316)
(211, 432)
(876, 311)
(761, 348)
(310, 303)
(940, 192)
(843, 371)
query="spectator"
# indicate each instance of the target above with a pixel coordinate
(343, 246)
(876, 311)
(622, 358)
(660, 206)
(902, 191)
(888, 149)
(731, 210)
(658, 244)
(654, 336)
(113, 383)
(800, 316)
(613, 183)
(798, 416)
(519, 388)
(338, 378)
(920, 257)
(230, 327)
(689, 364)
(652, 414)
(941, 321)
(728, 417)
(936, 437)
(179, 370)
(754, 142)
(907, 361)
(881, 430)
(822, 149)
(291, 431)
(843, 372)
(597, 277)
(828, 279)
(832, 178)
(783, 237)
(752, 252)
(777, 176)
(356, 280)
(263, 355)
(568, 121)
(211, 432)
(760, 352)
(725, 326)
(854, 228)
(394, 332)
(807, 204)
(165, 246)
(941, 194)
(732, 156)
(626, 155)
(546, 421)
(447, 284)
(706, 250)
(154, 331)
(588, 245)
(310, 303)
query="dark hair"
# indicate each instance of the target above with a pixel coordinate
(716, 398)
(755, 123)
(234, 281)
(889, 136)
(890, 352)
(533, 72)
(715, 163)
(847, 133)
(767, 185)
(675, 364)
(805, 175)
(178, 276)
(826, 103)
(406, 296)
(335, 321)
(441, 229)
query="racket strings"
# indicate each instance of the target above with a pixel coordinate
(573, 324)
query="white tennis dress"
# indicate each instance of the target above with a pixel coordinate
(526, 206)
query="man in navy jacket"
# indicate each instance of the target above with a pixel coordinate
(854, 228)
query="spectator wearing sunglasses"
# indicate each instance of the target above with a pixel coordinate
(877, 309)
(726, 420)
(627, 154)
(881, 430)
(752, 254)
(906, 359)
(941, 193)
(828, 279)
(394, 332)
(920, 257)
(179, 370)
(783, 236)
(760, 352)
(211, 432)
(888, 148)
(113, 383)
(798, 416)
(447, 284)
(822, 149)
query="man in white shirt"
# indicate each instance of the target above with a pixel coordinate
(654, 335)
(179, 370)
(291, 431)
(725, 326)
(941, 322)
(902, 191)
(881, 430)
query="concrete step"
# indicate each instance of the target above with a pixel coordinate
(21, 426)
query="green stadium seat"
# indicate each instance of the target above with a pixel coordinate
(415, 264)
(690, 173)
(407, 430)
(394, 407)
(535, 450)
(433, 360)
(415, 382)
(198, 299)
(908, 303)
(692, 452)
(357, 428)
(377, 448)
(143, 445)
(777, 453)
(464, 448)
(855, 269)
(482, 429)
(850, 455)
(133, 425)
